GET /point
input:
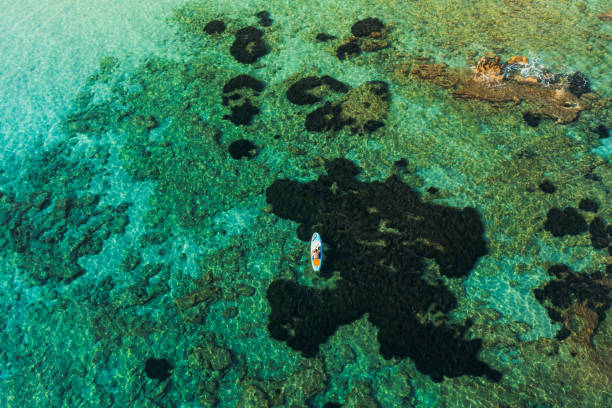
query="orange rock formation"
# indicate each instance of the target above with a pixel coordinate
(489, 68)
(487, 82)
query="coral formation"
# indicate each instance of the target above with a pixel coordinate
(578, 301)
(214, 27)
(587, 204)
(264, 19)
(310, 90)
(531, 119)
(158, 369)
(249, 45)
(367, 35)
(565, 222)
(193, 306)
(237, 97)
(362, 109)
(547, 186)
(602, 132)
(51, 237)
(379, 256)
(348, 50)
(599, 235)
(242, 148)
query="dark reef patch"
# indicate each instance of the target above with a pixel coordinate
(568, 292)
(531, 119)
(367, 26)
(367, 35)
(377, 235)
(158, 369)
(322, 37)
(264, 19)
(242, 114)
(579, 83)
(565, 222)
(586, 204)
(602, 131)
(242, 148)
(249, 45)
(325, 118)
(348, 50)
(547, 187)
(599, 235)
(214, 27)
(236, 95)
(303, 91)
(401, 164)
(243, 81)
(372, 125)
(362, 109)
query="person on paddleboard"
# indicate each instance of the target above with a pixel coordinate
(316, 252)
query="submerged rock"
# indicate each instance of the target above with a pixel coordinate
(493, 81)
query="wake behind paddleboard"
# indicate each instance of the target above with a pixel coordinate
(316, 251)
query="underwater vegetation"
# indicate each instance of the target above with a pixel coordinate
(442, 192)
(377, 235)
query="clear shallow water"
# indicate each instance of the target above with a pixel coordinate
(130, 233)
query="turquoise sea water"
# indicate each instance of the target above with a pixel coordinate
(142, 264)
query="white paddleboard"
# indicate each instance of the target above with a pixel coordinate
(316, 252)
